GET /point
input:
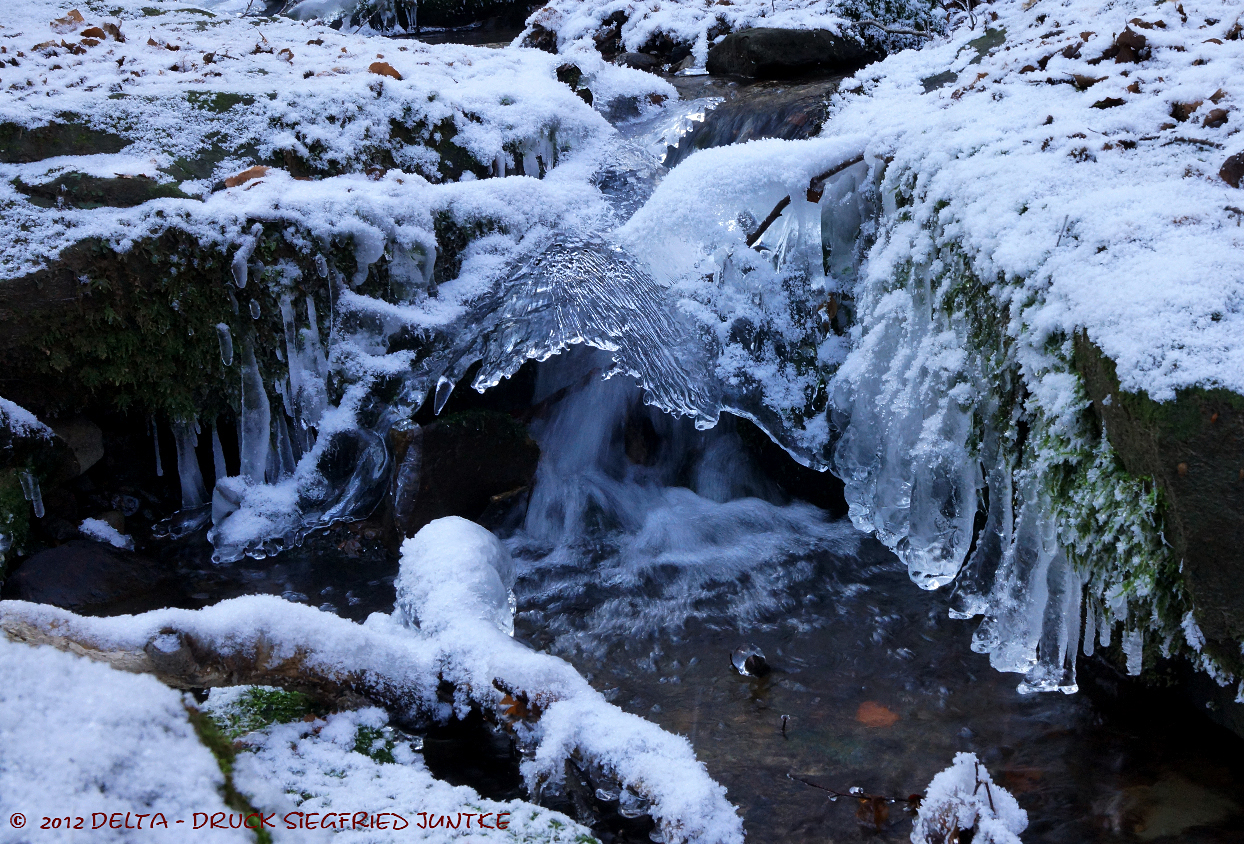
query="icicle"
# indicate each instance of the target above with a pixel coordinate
(31, 491)
(241, 258)
(292, 357)
(155, 437)
(254, 306)
(218, 455)
(1134, 649)
(193, 492)
(368, 247)
(226, 343)
(1090, 627)
(444, 387)
(1060, 639)
(321, 265)
(284, 448)
(255, 423)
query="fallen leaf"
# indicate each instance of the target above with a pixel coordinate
(1217, 96)
(287, 54)
(873, 714)
(246, 175)
(70, 21)
(94, 32)
(1182, 111)
(872, 813)
(1217, 117)
(1109, 102)
(384, 69)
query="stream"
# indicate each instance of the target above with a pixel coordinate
(656, 555)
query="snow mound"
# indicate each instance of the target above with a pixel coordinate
(101, 531)
(80, 739)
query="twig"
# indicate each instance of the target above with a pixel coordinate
(912, 800)
(815, 186)
(773, 215)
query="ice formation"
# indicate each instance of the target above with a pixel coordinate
(964, 797)
(101, 531)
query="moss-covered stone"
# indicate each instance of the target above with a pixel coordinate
(1193, 448)
(19, 145)
(79, 190)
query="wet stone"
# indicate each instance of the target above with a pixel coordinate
(92, 578)
(19, 145)
(770, 53)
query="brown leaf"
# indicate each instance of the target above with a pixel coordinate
(1217, 117)
(872, 813)
(115, 31)
(94, 32)
(1083, 83)
(1217, 96)
(1134, 88)
(873, 714)
(245, 176)
(1109, 102)
(384, 69)
(1182, 111)
(73, 20)
(287, 54)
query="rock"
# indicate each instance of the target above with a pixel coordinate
(92, 578)
(638, 61)
(1202, 431)
(78, 190)
(769, 53)
(456, 467)
(19, 145)
(84, 439)
(764, 110)
(1232, 171)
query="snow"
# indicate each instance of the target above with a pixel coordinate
(21, 422)
(80, 739)
(305, 768)
(699, 24)
(101, 531)
(964, 797)
(1096, 218)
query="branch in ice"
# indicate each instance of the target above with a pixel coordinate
(815, 187)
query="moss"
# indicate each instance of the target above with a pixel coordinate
(374, 744)
(14, 517)
(142, 332)
(260, 707)
(19, 144)
(78, 190)
(222, 749)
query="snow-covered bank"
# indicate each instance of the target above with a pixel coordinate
(1052, 186)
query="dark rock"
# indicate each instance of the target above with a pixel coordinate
(763, 110)
(19, 145)
(638, 61)
(457, 466)
(78, 190)
(768, 53)
(541, 39)
(1232, 171)
(1193, 448)
(84, 439)
(92, 578)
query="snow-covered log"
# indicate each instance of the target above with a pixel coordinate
(449, 631)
